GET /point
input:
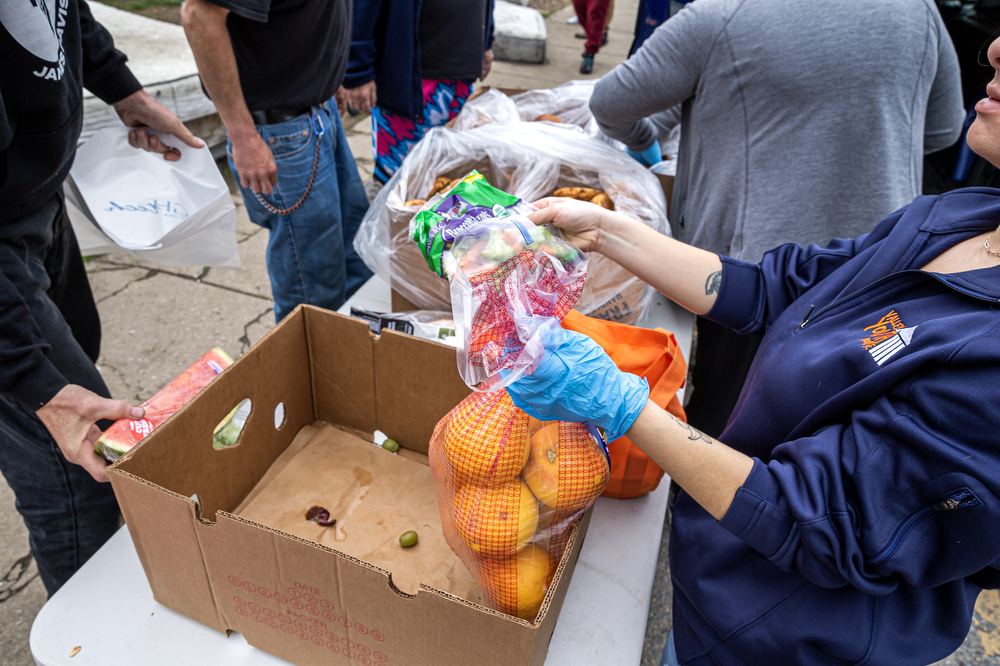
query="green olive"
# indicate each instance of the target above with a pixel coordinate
(390, 445)
(408, 539)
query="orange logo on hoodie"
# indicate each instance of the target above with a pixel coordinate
(883, 330)
(887, 337)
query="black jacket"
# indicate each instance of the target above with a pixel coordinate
(49, 50)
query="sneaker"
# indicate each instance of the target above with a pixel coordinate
(587, 64)
(581, 35)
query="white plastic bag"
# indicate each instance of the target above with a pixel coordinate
(171, 213)
(490, 107)
(528, 161)
(569, 102)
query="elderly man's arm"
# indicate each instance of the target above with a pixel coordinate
(661, 75)
(205, 27)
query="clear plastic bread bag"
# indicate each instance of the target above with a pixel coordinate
(491, 106)
(529, 161)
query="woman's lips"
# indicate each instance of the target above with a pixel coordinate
(988, 105)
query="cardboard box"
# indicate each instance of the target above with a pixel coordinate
(306, 602)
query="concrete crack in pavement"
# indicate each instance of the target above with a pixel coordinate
(190, 278)
(150, 273)
(111, 269)
(11, 582)
(248, 236)
(245, 340)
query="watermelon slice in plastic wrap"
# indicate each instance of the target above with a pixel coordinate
(126, 433)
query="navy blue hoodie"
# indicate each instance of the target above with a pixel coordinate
(385, 48)
(871, 519)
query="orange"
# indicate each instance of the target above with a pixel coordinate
(517, 585)
(566, 469)
(495, 521)
(486, 440)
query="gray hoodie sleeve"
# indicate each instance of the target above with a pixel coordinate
(664, 121)
(662, 74)
(945, 114)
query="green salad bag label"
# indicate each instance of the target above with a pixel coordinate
(472, 200)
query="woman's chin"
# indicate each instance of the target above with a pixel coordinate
(984, 138)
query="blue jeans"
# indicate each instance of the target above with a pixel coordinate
(669, 653)
(68, 514)
(310, 251)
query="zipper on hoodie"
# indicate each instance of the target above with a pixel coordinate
(882, 280)
(961, 499)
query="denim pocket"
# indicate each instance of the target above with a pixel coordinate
(289, 139)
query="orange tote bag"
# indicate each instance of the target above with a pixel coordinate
(650, 353)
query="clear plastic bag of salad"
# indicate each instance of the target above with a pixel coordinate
(508, 277)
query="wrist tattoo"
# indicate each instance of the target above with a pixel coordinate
(694, 434)
(713, 283)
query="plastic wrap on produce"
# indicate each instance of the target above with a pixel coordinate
(126, 433)
(510, 280)
(529, 161)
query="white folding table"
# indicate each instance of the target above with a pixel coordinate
(107, 608)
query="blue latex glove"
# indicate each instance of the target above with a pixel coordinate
(650, 156)
(577, 381)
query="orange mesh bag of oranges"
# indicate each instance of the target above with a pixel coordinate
(510, 488)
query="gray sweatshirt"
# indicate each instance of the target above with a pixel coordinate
(802, 121)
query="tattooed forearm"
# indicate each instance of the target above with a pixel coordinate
(693, 433)
(713, 283)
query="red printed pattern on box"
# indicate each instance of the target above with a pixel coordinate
(305, 620)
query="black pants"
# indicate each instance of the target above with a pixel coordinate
(721, 363)
(68, 514)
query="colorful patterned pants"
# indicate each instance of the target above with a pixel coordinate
(393, 135)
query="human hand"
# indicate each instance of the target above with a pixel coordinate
(362, 98)
(140, 110)
(254, 162)
(70, 417)
(580, 221)
(649, 156)
(340, 97)
(575, 381)
(487, 64)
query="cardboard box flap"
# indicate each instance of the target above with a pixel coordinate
(179, 455)
(162, 526)
(265, 580)
(343, 380)
(417, 383)
(396, 383)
